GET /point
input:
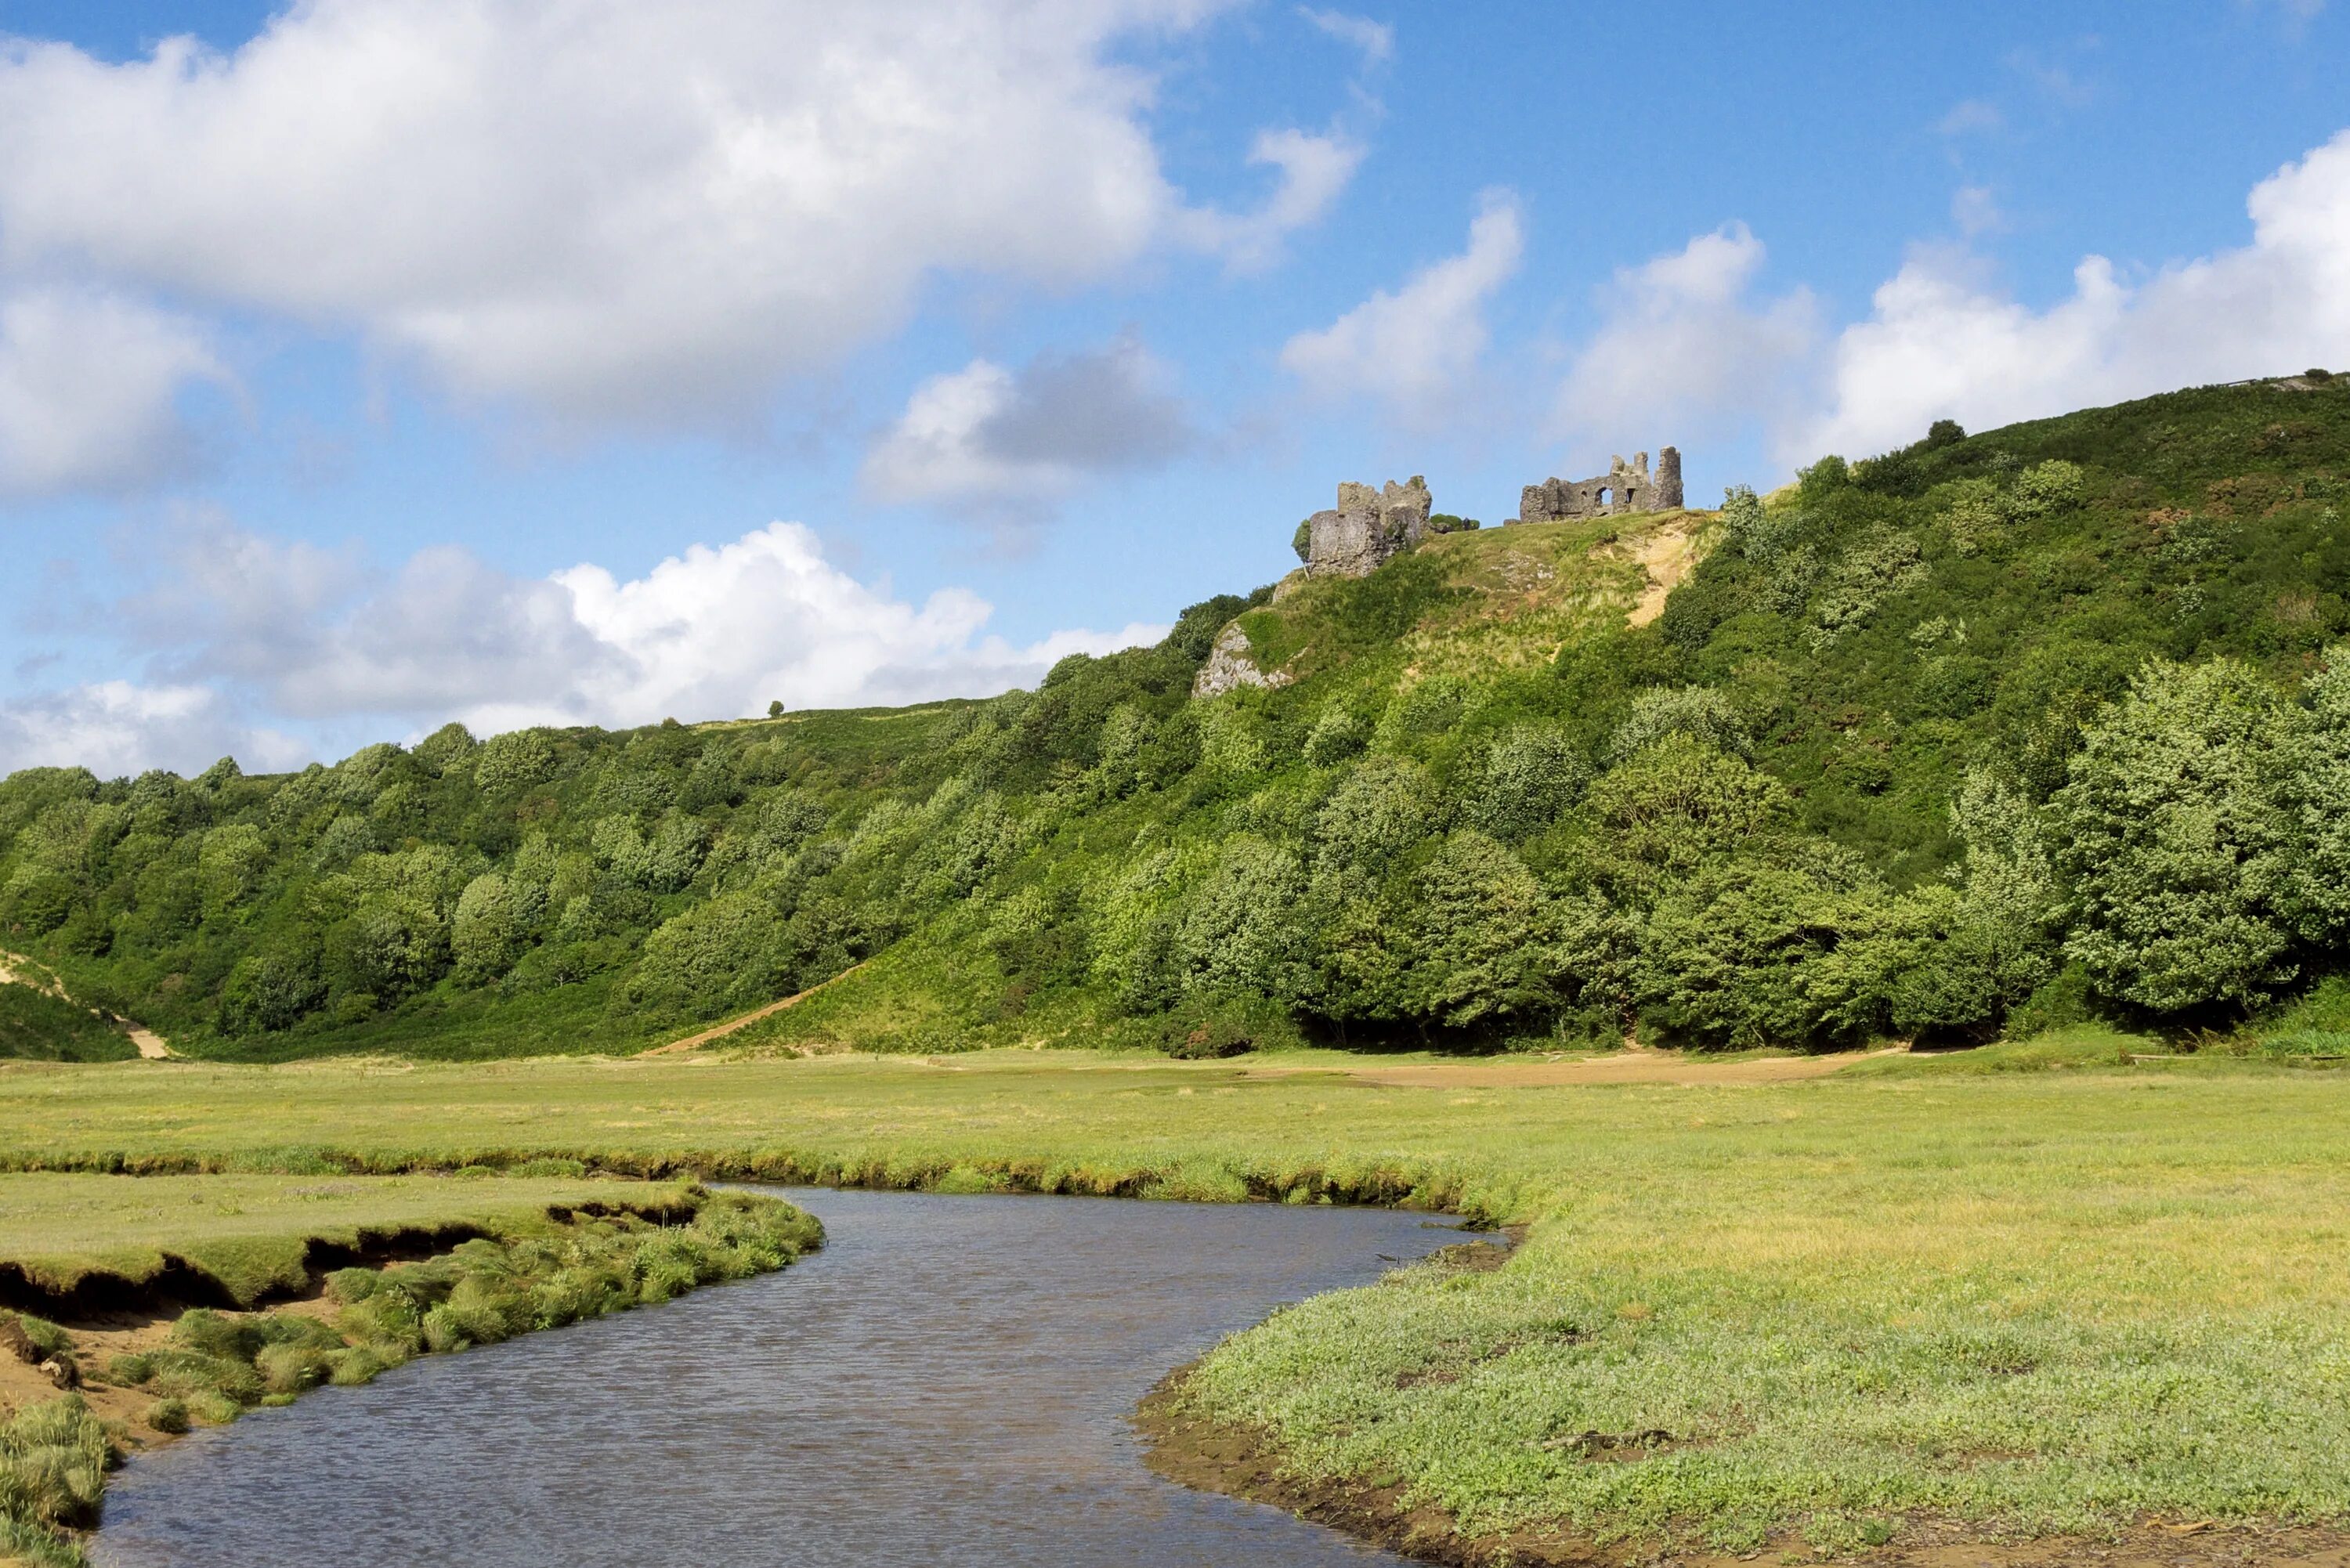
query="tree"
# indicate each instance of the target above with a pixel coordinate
(2315, 796)
(1479, 947)
(230, 865)
(2170, 830)
(723, 953)
(776, 708)
(1672, 805)
(1531, 777)
(1742, 952)
(487, 936)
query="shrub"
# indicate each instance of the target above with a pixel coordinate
(1531, 777)
(1706, 716)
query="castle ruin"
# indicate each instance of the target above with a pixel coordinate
(1625, 487)
(1365, 527)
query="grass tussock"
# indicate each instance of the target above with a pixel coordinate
(217, 1365)
(214, 1365)
(54, 1456)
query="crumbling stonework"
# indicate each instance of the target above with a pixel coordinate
(1230, 668)
(1365, 527)
(1625, 487)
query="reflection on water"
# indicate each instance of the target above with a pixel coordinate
(947, 1382)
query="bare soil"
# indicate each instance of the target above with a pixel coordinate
(98, 1341)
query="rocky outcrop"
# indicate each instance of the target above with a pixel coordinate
(1365, 527)
(1230, 668)
(1625, 487)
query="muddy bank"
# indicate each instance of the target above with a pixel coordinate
(1243, 1463)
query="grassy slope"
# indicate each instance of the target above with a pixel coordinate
(2047, 1298)
(1493, 606)
(42, 1028)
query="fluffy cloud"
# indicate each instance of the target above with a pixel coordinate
(89, 382)
(987, 434)
(1942, 344)
(244, 626)
(115, 727)
(1415, 349)
(1681, 343)
(611, 211)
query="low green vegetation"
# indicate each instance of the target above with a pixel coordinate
(1992, 733)
(36, 1026)
(250, 1237)
(605, 1247)
(54, 1456)
(483, 1291)
(2038, 1286)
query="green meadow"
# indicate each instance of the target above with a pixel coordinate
(2060, 1298)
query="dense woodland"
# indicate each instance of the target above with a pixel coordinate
(1984, 734)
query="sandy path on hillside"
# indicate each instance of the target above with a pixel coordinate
(151, 1044)
(1627, 1067)
(719, 1031)
(1668, 557)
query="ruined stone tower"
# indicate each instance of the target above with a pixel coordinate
(1625, 487)
(1365, 527)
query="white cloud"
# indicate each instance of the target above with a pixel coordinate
(1971, 115)
(89, 382)
(246, 638)
(1375, 39)
(613, 210)
(1415, 349)
(1975, 210)
(116, 727)
(1681, 344)
(988, 434)
(1314, 170)
(1942, 343)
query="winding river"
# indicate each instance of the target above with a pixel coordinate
(948, 1381)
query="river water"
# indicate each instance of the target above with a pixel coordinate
(947, 1382)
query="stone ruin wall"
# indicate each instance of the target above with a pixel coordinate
(1366, 527)
(1625, 487)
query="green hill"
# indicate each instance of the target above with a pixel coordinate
(2038, 721)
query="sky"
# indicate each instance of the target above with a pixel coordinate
(366, 366)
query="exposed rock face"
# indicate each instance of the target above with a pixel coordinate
(1625, 487)
(1366, 527)
(1229, 666)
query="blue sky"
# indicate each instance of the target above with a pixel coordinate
(365, 364)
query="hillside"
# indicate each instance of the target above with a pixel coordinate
(2037, 719)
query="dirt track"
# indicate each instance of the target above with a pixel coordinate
(151, 1044)
(719, 1031)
